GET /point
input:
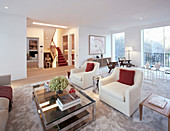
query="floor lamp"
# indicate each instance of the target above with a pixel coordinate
(129, 49)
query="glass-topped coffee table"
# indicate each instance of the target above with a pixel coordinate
(73, 118)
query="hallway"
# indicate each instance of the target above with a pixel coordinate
(37, 75)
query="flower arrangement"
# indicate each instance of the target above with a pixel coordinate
(58, 83)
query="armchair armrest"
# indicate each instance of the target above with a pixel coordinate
(5, 80)
(107, 80)
(133, 93)
(88, 75)
(77, 70)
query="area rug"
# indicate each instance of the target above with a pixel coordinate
(24, 116)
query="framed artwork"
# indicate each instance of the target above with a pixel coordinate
(97, 45)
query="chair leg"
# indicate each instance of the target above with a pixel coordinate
(110, 70)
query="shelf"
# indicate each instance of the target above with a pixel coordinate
(33, 50)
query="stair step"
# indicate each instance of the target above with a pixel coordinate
(63, 61)
(63, 64)
(60, 56)
(60, 59)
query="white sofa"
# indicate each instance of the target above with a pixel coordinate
(4, 102)
(84, 79)
(122, 97)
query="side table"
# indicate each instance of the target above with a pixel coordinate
(165, 111)
(96, 83)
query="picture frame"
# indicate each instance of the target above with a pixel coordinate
(97, 45)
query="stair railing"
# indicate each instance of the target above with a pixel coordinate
(54, 52)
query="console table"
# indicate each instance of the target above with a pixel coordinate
(102, 61)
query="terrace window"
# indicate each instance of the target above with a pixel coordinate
(157, 46)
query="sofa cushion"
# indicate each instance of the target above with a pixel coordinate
(116, 90)
(4, 103)
(126, 76)
(89, 67)
(3, 119)
(77, 76)
(6, 92)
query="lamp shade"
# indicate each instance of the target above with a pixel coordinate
(129, 48)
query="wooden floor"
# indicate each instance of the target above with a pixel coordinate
(37, 75)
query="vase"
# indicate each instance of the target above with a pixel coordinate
(147, 64)
(157, 66)
(59, 92)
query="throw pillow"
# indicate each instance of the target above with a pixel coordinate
(126, 77)
(89, 67)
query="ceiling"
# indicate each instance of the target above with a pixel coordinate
(104, 14)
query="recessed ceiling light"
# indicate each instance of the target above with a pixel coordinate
(44, 24)
(6, 7)
(140, 18)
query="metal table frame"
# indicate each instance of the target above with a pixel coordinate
(91, 105)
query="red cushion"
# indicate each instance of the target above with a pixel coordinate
(89, 67)
(126, 77)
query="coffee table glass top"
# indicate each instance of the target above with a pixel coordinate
(48, 107)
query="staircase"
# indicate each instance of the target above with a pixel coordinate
(61, 60)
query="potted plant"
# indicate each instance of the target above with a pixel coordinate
(58, 84)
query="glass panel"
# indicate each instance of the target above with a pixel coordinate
(154, 46)
(119, 45)
(167, 46)
(65, 46)
(72, 54)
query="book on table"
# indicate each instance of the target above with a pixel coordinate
(67, 101)
(158, 101)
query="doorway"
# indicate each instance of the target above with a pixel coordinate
(32, 52)
(65, 47)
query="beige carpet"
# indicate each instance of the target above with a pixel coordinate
(24, 115)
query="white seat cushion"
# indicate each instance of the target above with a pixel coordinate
(116, 90)
(77, 76)
(4, 103)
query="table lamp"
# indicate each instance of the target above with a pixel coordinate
(129, 49)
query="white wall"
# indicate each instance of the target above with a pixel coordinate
(133, 38)
(84, 43)
(13, 46)
(38, 33)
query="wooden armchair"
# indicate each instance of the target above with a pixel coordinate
(111, 65)
(124, 62)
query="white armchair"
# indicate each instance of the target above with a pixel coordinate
(122, 97)
(84, 79)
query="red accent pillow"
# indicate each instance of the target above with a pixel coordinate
(126, 77)
(89, 67)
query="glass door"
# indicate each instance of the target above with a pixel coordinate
(118, 40)
(157, 46)
(167, 46)
(154, 46)
(72, 52)
(65, 47)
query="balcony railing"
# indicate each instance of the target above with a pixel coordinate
(152, 58)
